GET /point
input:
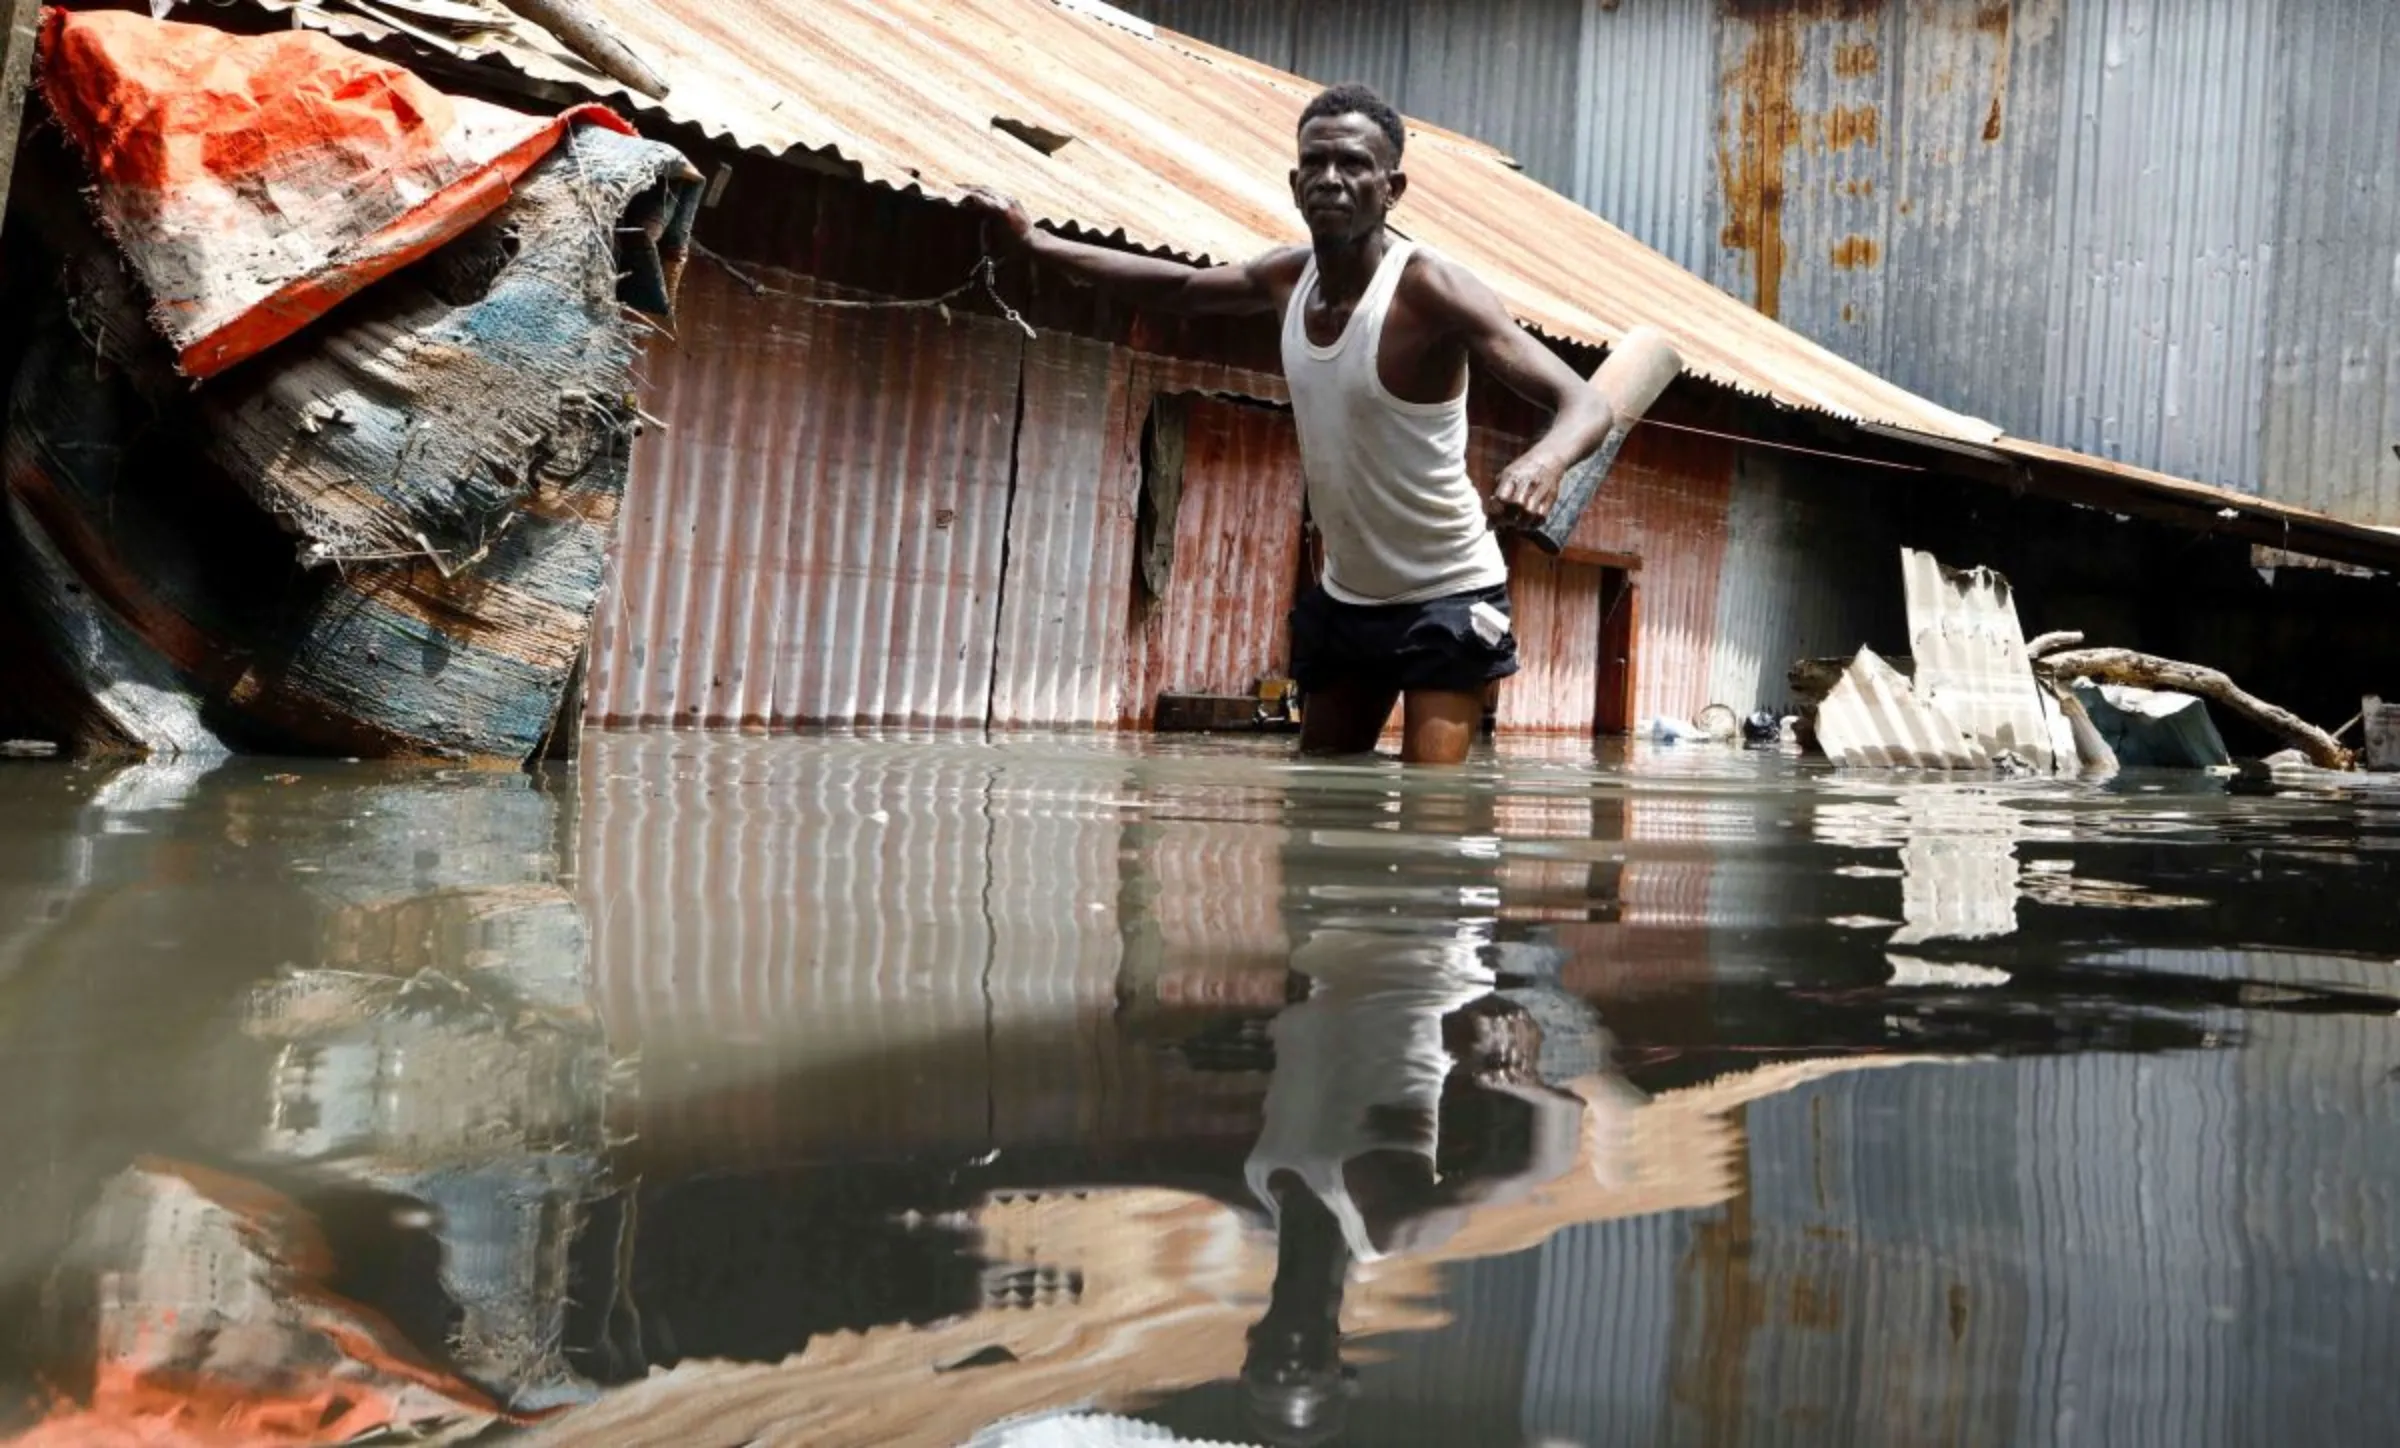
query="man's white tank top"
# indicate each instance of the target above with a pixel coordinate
(1369, 1035)
(1387, 480)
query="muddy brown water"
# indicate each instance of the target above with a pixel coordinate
(1041, 1092)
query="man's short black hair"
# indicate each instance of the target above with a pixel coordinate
(1359, 100)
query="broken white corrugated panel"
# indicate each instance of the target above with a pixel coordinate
(1910, 972)
(1970, 651)
(1874, 719)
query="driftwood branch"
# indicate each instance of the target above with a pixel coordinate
(589, 38)
(2051, 643)
(2146, 671)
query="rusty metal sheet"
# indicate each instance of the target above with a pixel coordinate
(1225, 622)
(1557, 607)
(1802, 160)
(1177, 147)
(1063, 626)
(818, 534)
(1666, 504)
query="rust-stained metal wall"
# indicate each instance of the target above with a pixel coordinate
(2160, 234)
(1665, 505)
(1225, 621)
(817, 535)
(882, 517)
(1070, 539)
(1557, 604)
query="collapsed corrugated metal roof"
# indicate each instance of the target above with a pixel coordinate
(1171, 145)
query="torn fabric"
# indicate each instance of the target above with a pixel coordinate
(254, 182)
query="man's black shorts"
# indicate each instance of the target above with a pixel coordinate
(1429, 645)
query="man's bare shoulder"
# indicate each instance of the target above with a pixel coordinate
(1434, 285)
(1282, 265)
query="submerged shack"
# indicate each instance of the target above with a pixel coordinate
(893, 485)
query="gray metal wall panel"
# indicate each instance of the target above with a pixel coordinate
(1602, 1361)
(2333, 390)
(1062, 626)
(1463, 1382)
(2168, 187)
(1975, 139)
(1645, 156)
(1356, 40)
(1263, 30)
(1505, 72)
(1798, 581)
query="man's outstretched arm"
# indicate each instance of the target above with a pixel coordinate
(1580, 416)
(1166, 286)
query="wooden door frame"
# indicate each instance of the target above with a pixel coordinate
(1620, 651)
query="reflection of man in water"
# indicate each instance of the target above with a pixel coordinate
(1404, 1095)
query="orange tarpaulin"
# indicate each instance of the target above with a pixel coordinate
(256, 181)
(212, 1327)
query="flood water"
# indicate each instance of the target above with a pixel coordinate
(905, 1091)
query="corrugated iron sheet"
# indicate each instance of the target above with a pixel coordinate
(1874, 719)
(1266, 31)
(1645, 153)
(1557, 608)
(2168, 191)
(1070, 540)
(1510, 69)
(2150, 237)
(1807, 574)
(1353, 40)
(818, 534)
(1665, 503)
(1973, 146)
(1179, 147)
(1971, 663)
(2332, 410)
(1800, 161)
(1224, 624)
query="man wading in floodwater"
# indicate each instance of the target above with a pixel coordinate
(1377, 337)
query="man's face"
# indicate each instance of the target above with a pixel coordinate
(1347, 178)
